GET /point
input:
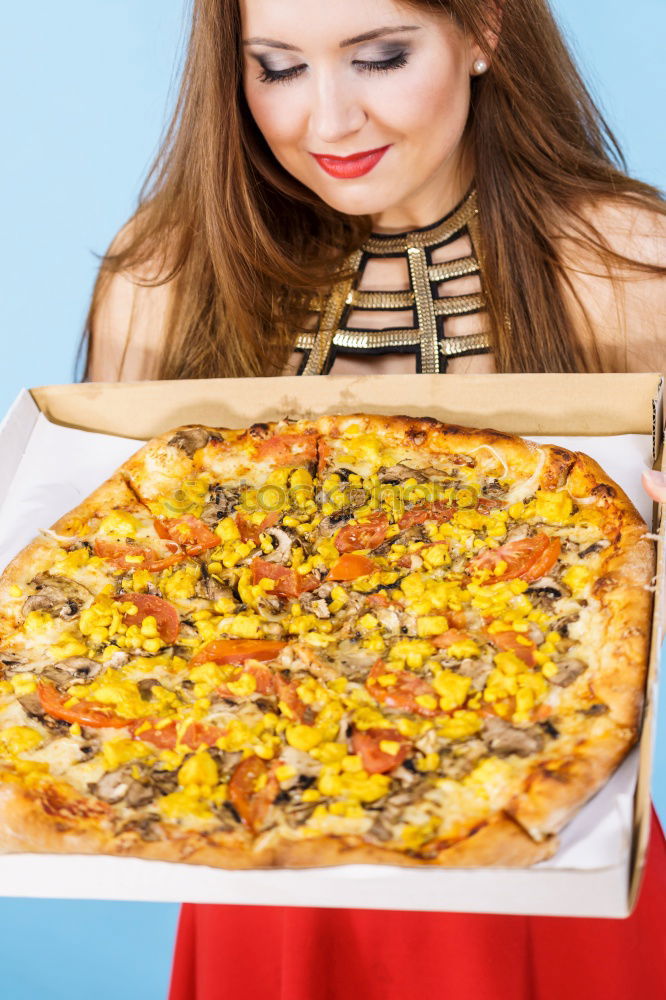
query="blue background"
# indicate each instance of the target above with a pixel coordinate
(86, 86)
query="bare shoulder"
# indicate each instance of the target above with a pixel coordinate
(625, 304)
(129, 320)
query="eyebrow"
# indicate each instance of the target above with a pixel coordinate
(367, 36)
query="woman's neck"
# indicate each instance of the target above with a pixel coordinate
(428, 205)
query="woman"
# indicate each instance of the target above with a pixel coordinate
(504, 238)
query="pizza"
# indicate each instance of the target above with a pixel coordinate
(351, 639)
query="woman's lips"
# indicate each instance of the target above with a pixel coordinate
(350, 166)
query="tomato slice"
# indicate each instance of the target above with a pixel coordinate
(403, 694)
(380, 601)
(287, 693)
(288, 449)
(252, 789)
(508, 640)
(187, 531)
(118, 553)
(350, 567)
(456, 619)
(449, 638)
(486, 504)
(166, 616)
(238, 650)
(324, 452)
(544, 563)
(288, 583)
(366, 743)
(252, 531)
(197, 734)
(263, 676)
(519, 556)
(362, 536)
(86, 713)
(437, 511)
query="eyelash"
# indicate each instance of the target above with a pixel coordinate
(283, 76)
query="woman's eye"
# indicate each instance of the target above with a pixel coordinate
(382, 65)
(269, 75)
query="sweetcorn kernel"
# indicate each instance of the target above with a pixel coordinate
(576, 578)
(285, 772)
(23, 684)
(310, 795)
(200, 769)
(427, 701)
(452, 689)
(428, 763)
(460, 725)
(18, 739)
(303, 737)
(431, 625)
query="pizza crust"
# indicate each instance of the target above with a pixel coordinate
(25, 827)
(622, 590)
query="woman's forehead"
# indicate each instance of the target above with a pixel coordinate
(301, 23)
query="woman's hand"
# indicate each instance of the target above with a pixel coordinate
(654, 484)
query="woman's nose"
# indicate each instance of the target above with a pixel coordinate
(336, 111)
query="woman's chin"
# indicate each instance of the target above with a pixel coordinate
(358, 200)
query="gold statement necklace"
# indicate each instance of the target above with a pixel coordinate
(426, 337)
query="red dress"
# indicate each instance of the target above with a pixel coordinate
(290, 953)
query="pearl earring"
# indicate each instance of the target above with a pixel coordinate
(480, 66)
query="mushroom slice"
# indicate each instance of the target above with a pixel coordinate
(222, 501)
(163, 781)
(12, 663)
(595, 547)
(399, 473)
(58, 595)
(503, 739)
(283, 542)
(74, 668)
(139, 794)
(190, 439)
(211, 589)
(568, 671)
(111, 787)
(316, 605)
(146, 686)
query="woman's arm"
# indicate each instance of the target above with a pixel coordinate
(627, 315)
(128, 328)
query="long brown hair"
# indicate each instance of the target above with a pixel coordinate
(246, 245)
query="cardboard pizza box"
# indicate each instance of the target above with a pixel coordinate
(58, 442)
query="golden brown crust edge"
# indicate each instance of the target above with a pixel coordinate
(622, 588)
(558, 789)
(25, 827)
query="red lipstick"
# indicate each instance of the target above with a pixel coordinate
(350, 166)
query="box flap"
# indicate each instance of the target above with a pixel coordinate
(518, 404)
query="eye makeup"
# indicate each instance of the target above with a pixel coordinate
(269, 75)
(392, 59)
(383, 65)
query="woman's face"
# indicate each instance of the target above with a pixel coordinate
(327, 80)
